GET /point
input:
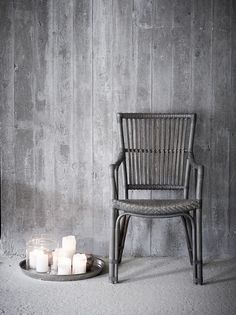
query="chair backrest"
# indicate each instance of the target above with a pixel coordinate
(156, 148)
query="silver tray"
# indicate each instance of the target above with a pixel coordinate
(95, 266)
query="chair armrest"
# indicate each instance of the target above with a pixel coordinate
(121, 158)
(114, 168)
(200, 173)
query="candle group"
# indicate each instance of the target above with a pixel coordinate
(63, 261)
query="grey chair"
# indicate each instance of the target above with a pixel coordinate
(157, 154)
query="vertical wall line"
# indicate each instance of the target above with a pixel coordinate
(230, 131)
(34, 189)
(151, 62)
(172, 58)
(212, 96)
(228, 196)
(53, 99)
(13, 98)
(72, 123)
(92, 113)
(112, 84)
(192, 53)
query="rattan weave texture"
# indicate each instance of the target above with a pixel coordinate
(155, 207)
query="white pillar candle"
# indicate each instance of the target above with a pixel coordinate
(42, 262)
(64, 266)
(61, 252)
(79, 263)
(32, 258)
(69, 244)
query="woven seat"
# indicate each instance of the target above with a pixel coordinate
(157, 154)
(155, 207)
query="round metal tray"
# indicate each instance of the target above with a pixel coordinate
(95, 266)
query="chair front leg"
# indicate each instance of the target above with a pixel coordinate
(117, 241)
(123, 234)
(199, 245)
(117, 237)
(114, 215)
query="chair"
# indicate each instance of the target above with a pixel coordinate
(157, 154)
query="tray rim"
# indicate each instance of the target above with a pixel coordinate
(97, 262)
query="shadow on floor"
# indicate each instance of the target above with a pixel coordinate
(225, 271)
(219, 271)
(143, 273)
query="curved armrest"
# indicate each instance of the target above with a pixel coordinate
(200, 173)
(114, 175)
(120, 159)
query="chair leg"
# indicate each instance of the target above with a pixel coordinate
(199, 245)
(188, 238)
(194, 246)
(117, 237)
(114, 216)
(123, 237)
(122, 229)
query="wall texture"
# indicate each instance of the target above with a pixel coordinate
(66, 68)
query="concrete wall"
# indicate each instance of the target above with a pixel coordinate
(66, 68)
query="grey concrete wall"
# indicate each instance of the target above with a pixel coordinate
(66, 68)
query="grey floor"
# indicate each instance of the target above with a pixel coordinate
(147, 286)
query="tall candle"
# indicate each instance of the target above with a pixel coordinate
(42, 262)
(79, 263)
(69, 244)
(64, 266)
(61, 252)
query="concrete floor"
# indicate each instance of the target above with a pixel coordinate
(147, 286)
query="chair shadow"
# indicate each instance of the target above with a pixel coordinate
(138, 278)
(135, 276)
(228, 275)
(214, 281)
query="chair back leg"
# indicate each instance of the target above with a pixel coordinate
(199, 244)
(188, 236)
(194, 244)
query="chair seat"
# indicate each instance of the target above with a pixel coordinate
(155, 207)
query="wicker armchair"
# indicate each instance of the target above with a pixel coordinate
(157, 154)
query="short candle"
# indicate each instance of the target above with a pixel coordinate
(64, 266)
(41, 262)
(32, 258)
(79, 263)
